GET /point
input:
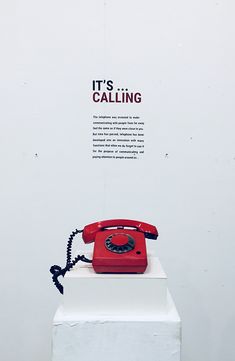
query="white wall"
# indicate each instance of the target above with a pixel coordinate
(181, 54)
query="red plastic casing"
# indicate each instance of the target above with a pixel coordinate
(105, 261)
(89, 231)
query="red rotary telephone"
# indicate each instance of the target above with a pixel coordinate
(119, 248)
(119, 245)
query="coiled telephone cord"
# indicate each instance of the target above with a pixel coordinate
(57, 271)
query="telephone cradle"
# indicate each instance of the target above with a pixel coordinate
(119, 247)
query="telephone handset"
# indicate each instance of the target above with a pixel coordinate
(90, 230)
(119, 247)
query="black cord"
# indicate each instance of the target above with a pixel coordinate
(58, 271)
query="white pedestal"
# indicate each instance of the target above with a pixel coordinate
(116, 317)
(116, 294)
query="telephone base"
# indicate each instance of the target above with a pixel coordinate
(119, 252)
(123, 270)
